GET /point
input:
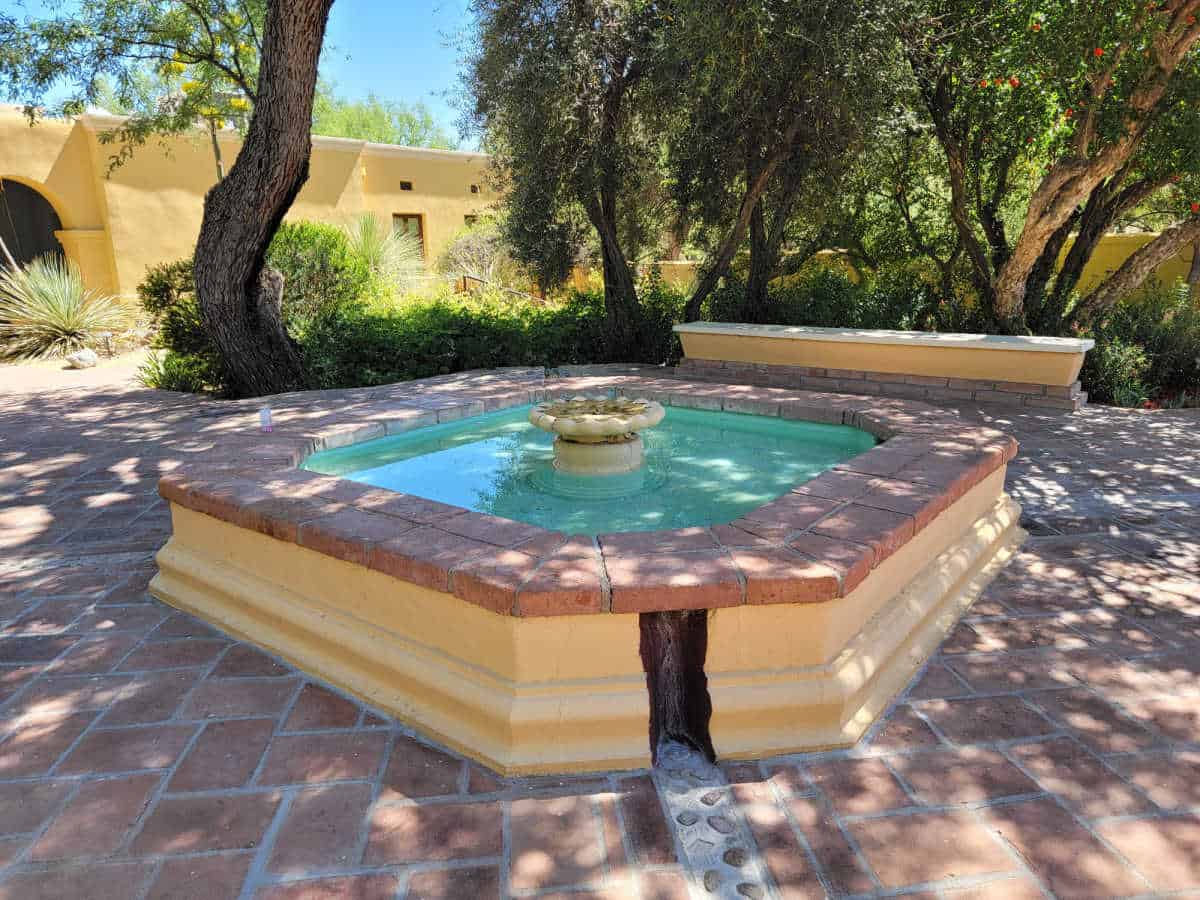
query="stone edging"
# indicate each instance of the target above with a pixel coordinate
(815, 543)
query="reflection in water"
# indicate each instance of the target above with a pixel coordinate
(701, 468)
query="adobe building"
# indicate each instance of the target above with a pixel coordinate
(57, 193)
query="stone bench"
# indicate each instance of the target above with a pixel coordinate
(921, 365)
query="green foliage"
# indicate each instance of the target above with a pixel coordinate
(321, 270)
(451, 333)
(479, 253)
(45, 310)
(394, 258)
(379, 120)
(1154, 337)
(187, 373)
(201, 59)
(1113, 373)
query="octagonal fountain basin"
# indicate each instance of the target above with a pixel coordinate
(697, 468)
(770, 573)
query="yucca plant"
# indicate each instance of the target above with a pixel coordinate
(394, 257)
(45, 310)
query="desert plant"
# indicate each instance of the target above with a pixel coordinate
(394, 257)
(45, 310)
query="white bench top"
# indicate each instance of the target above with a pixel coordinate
(1020, 343)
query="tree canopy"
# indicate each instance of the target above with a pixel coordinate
(378, 119)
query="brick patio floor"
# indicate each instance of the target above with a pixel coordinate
(1051, 748)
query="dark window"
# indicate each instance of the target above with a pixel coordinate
(410, 223)
(474, 189)
(406, 185)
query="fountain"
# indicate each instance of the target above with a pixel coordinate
(597, 435)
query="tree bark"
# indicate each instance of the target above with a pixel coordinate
(754, 304)
(673, 647)
(1136, 269)
(1193, 275)
(239, 296)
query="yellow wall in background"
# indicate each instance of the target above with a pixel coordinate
(148, 210)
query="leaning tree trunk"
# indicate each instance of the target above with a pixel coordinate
(1136, 269)
(1193, 275)
(239, 296)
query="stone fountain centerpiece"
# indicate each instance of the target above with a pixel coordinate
(597, 435)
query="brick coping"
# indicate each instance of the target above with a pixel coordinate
(815, 543)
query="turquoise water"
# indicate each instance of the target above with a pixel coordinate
(702, 468)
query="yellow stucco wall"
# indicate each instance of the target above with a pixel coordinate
(148, 210)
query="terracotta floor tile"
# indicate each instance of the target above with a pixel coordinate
(1093, 721)
(962, 776)
(24, 806)
(108, 881)
(482, 883)
(842, 866)
(293, 759)
(347, 887)
(985, 720)
(856, 787)
(1063, 854)
(401, 834)
(201, 877)
(35, 747)
(319, 707)
(926, 847)
(96, 819)
(321, 829)
(649, 835)
(224, 756)
(417, 770)
(1165, 851)
(126, 749)
(1089, 787)
(197, 824)
(555, 842)
(219, 698)
(785, 858)
(1171, 780)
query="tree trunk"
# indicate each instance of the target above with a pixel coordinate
(718, 264)
(673, 647)
(216, 148)
(239, 296)
(1136, 269)
(622, 312)
(1193, 275)
(754, 304)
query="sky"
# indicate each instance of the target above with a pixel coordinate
(399, 49)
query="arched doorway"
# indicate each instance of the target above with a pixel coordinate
(27, 223)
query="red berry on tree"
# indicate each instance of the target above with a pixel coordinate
(1098, 52)
(1069, 112)
(1037, 26)
(1015, 81)
(1196, 207)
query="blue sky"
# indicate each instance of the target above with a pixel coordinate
(400, 49)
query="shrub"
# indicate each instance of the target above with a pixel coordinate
(45, 310)
(1112, 373)
(320, 269)
(1163, 321)
(188, 373)
(393, 258)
